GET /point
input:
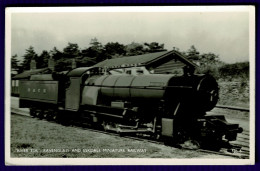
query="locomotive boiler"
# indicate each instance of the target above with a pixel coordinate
(163, 106)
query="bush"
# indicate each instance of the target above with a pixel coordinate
(227, 72)
(235, 71)
(209, 69)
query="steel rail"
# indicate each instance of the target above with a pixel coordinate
(233, 108)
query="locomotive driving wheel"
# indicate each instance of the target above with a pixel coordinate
(54, 116)
(105, 126)
(38, 113)
(32, 112)
(45, 114)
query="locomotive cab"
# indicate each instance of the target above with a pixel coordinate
(74, 90)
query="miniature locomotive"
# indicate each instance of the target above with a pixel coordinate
(164, 106)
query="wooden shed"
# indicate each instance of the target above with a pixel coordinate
(164, 62)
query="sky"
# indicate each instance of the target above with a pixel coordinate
(223, 33)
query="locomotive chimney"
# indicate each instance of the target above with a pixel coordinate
(32, 64)
(74, 64)
(51, 64)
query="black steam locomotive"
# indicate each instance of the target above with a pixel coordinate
(163, 106)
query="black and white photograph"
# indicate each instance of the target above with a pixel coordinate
(159, 85)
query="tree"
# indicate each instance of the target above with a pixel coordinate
(154, 47)
(58, 57)
(56, 54)
(42, 60)
(95, 44)
(134, 49)
(236, 70)
(112, 50)
(29, 55)
(95, 51)
(71, 51)
(63, 60)
(208, 62)
(86, 58)
(14, 63)
(209, 59)
(63, 64)
(193, 54)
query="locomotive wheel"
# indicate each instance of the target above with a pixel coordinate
(105, 126)
(156, 136)
(38, 114)
(64, 118)
(169, 141)
(32, 112)
(48, 117)
(54, 116)
(214, 145)
(45, 114)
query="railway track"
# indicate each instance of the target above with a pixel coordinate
(233, 108)
(241, 144)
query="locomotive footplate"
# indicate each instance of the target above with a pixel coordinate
(126, 129)
(110, 112)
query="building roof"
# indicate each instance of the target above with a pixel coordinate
(141, 60)
(78, 71)
(28, 73)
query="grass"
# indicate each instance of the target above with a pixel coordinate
(31, 138)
